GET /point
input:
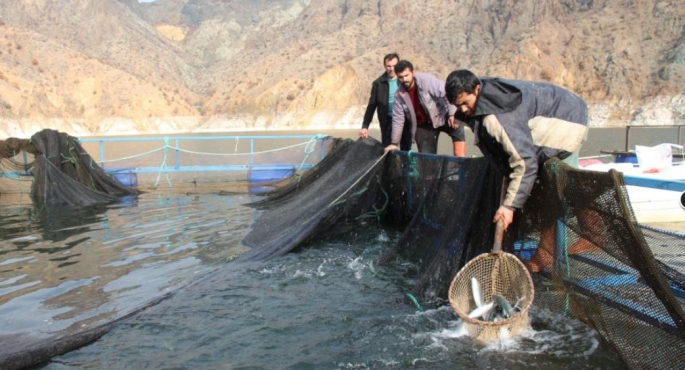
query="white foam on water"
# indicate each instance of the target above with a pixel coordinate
(383, 237)
(276, 269)
(357, 266)
(561, 337)
(299, 273)
(27, 238)
(352, 366)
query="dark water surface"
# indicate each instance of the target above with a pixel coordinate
(323, 307)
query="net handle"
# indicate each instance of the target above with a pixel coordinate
(499, 229)
(499, 235)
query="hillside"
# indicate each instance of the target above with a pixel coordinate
(98, 67)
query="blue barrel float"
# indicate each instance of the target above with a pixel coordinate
(622, 156)
(260, 175)
(125, 176)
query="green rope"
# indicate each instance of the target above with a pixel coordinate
(413, 161)
(407, 293)
(309, 149)
(377, 212)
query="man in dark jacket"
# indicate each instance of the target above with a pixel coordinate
(381, 101)
(519, 125)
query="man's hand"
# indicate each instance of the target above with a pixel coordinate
(390, 148)
(505, 214)
(451, 122)
(364, 133)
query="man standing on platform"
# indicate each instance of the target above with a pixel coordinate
(420, 103)
(381, 101)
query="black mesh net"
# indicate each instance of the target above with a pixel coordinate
(577, 233)
(621, 278)
(62, 172)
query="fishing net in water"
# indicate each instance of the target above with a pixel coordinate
(593, 261)
(596, 263)
(61, 172)
(208, 164)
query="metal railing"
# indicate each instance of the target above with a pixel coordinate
(174, 144)
(629, 127)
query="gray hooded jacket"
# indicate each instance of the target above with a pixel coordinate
(521, 124)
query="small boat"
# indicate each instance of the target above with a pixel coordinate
(654, 177)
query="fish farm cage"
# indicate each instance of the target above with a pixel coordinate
(594, 261)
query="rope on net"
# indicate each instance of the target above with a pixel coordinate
(137, 155)
(664, 231)
(163, 166)
(309, 149)
(337, 200)
(405, 291)
(413, 171)
(377, 212)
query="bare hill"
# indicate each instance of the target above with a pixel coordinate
(106, 66)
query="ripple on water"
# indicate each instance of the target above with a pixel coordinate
(323, 308)
(63, 269)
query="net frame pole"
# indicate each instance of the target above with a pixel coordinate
(177, 155)
(560, 243)
(101, 145)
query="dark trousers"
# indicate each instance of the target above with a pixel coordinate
(386, 134)
(427, 136)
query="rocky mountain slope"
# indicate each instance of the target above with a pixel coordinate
(92, 67)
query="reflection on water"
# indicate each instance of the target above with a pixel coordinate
(61, 269)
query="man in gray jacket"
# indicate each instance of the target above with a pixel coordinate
(420, 101)
(519, 125)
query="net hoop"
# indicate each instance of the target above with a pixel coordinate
(498, 273)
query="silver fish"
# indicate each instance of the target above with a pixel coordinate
(477, 293)
(504, 304)
(517, 308)
(482, 310)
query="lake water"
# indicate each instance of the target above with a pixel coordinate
(320, 308)
(323, 307)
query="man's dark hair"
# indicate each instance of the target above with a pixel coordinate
(402, 65)
(390, 56)
(461, 81)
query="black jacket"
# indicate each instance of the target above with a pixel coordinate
(378, 101)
